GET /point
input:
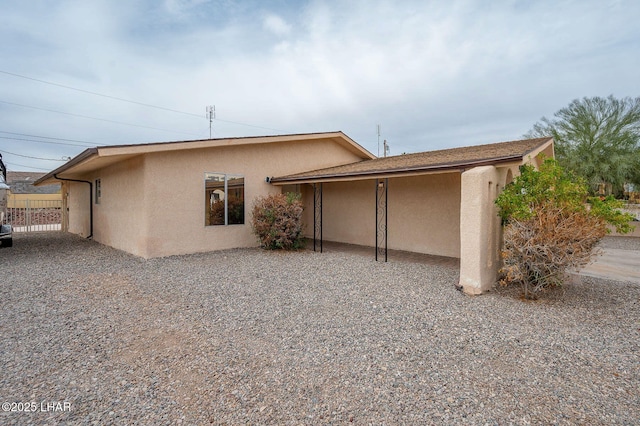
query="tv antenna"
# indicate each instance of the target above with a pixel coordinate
(386, 148)
(211, 115)
(378, 128)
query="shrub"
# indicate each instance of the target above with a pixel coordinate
(551, 225)
(216, 215)
(277, 221)
(235, 211)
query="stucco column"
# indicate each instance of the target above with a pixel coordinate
(479, 229)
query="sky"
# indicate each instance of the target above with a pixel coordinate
(430, 74)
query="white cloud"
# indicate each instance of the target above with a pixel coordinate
(276, 25)
(433, 74)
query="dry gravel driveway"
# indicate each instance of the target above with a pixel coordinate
(256, 337)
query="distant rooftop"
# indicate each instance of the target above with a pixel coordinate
(22, 183)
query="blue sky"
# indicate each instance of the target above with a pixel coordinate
(433, 74)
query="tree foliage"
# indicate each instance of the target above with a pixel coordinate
(598, 139)
(277, 221)
(551, 225)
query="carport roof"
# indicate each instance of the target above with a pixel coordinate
(424, 162)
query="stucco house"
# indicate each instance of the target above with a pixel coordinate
(172, 198)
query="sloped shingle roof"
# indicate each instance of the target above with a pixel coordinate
(23, 176)
(454, 158)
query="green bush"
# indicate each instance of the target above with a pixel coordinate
(551, 225)
(277, 221)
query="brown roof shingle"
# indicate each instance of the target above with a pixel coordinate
(426, 161)
(23, 176)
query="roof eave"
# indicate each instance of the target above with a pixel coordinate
(84, 155)
(146, 148)
(538, 147)
(444, 167)
(137, 149)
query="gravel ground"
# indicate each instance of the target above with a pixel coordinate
(623, 243)
(255, 337)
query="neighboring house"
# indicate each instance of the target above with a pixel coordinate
(184, 197)
(22, 183)
(32, 208)
(22, 188)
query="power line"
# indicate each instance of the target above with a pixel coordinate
(28, 156)
(49, 137)
(133, 102)
(49, 142)
(28, 167)
(100, 94)
(98, 119)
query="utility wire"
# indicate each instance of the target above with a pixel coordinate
(98, 119)
(131, 101)
(49, 137)
(35, 158)
(100, 94)
(49, 142)
(28, 167)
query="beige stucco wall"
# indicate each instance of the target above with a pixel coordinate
(175, 190)
(119, 218)
(348, 212)
(479, 228)
(306, 189)
(538, 156)
(154, 204)
(423, 213)
(77, 202)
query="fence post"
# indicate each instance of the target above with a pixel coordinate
(28, 215)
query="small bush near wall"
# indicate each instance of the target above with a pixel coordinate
(277, 221)
(235, 212)
(551, 225)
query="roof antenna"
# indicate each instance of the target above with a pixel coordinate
(211, 114)
(386, 148)
(378, 126)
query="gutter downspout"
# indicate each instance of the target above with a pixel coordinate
(90, 200)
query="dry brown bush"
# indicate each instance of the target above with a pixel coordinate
(235, 212)
(551, 225)
(538, 251)
(277, 221)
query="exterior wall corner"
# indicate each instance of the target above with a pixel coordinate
(479, 229)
